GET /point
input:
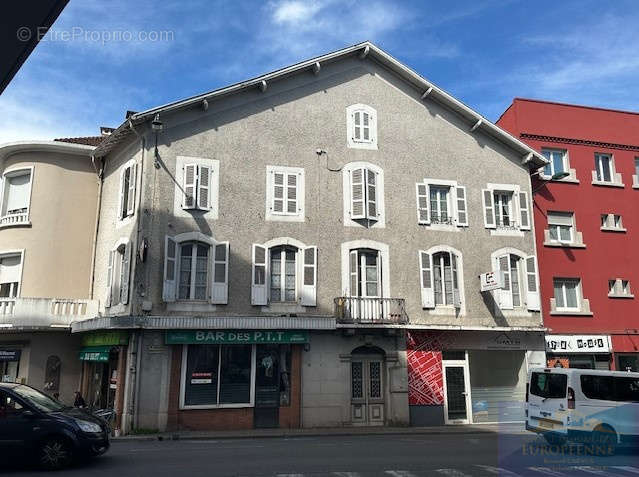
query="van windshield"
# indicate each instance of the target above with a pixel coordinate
(548, 385)
(37, 399)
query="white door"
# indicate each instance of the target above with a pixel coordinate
(367, 391)
(371, 285)
(457, 403)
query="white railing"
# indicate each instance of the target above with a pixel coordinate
(14, 219)
(45, 312)
(370, 310)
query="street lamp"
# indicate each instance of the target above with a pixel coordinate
(555, 177)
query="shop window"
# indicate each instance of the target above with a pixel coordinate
(218, 376)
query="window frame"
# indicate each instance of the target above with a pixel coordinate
(520, 207)
(350, 127)
(578, 294)
(571, 227)
(384, 262)
(251, 402)
(210, 213)
(564, 161)
(15, 253)
(283, 249)
(124, 215)
(15, 172)
(599, 172)
(193, 271)
(427, 271)
(300, 214)
(120, 269)
(380, 220)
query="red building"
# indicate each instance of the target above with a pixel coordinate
(586, 213)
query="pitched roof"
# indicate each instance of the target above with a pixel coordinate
(87, 140)
(365, 50)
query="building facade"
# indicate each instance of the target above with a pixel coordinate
(48, 212)
(585, 219)
(303, 249)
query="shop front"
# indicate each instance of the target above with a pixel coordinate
(9, 364)
(103, 357)
(626, 351)
(469, 377)
(234, 379)
(579, 351)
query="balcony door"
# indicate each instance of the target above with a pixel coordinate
(367, 386)
(366, 284)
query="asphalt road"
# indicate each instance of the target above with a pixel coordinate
(453, 455)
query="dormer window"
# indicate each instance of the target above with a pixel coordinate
(361, 126)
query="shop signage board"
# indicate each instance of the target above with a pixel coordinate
(95, 353)
(236, 337)
(491, 281)
(10, 354)
(106, 338)
(578, 343)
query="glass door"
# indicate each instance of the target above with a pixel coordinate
(456, 393)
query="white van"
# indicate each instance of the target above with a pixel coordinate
(583, 405)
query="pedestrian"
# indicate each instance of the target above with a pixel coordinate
(79, 401)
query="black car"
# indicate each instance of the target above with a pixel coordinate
(33, 423)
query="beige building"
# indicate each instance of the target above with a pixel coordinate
(270, 245)
(48, 211)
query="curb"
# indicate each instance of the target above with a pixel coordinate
(288, 435)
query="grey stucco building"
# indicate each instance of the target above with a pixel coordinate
(303, 249)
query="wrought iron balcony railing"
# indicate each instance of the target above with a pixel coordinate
(370, 310)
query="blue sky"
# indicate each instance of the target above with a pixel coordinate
(483, 52)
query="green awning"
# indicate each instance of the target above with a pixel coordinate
(95, 353)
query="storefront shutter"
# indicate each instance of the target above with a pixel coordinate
(170, 255)
(462, 212)
(505, 296)
(260, 272)
(532, 290)
(309, 277)
(423, 203)
(220, 274)
(489, 208)
(126, 273)
(524, 210)
(426, 279)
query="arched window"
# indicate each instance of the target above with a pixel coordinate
(441, 277)
(118, 273)
(361, 126)
(520, 289)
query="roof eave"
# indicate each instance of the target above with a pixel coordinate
(10, 148)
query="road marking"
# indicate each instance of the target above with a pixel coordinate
(452, 472)
(594, 470)
(498, 470)
(399, 473)
(627, 468)
(546, 471)
(346, 474)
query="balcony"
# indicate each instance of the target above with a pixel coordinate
(360, 310)
(15, 218)
(44, 313)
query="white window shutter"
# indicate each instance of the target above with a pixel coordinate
(190, 179)
(353, 273)
(309, 277)
(203, 187)
(532, 287)
(278, 192)
(109, 283)
(423, 203)
(426, 279)
(291, 193)
(126, 274)
(220, 274)
(358, 206)
(456, 278)
(505, 296)
(489, 208)
(122, 212)
(170, 257)
(371, 194)
(260, 271)
(524, 210)
(462, 210)
(130, 205)
(357, 125)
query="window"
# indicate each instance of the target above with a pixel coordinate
(520, 288)
(603, 167)
(619, 288)
(560, 226)
(441, 202)
(361, 126)
(567, 294)
(197, 186)
(635, 177)
(612, 223)
(195, 269)
(127, 190)
(218, 375)
(363, 195)
(10, 273)
(440, 276)
(16, 197)
(506, 209)
(549, 385)
(597, 387)
(118, 273)
(284, 271)
(557, 160)
(366, 273)
(284, 193)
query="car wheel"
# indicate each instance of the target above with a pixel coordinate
(55, 453)
(605, 437)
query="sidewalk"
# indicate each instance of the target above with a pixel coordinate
(319, 432)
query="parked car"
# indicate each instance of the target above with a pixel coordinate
(583, 405)
(35, 424)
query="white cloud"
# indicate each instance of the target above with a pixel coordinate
(295, 11)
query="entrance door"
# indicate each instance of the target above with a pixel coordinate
(267, 387)
(456, 395)
(367, 391)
